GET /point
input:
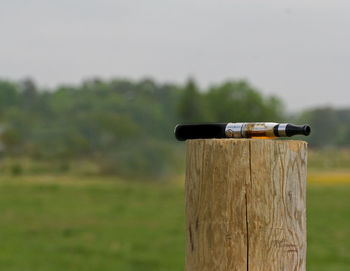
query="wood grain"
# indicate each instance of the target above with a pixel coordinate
(245, 205)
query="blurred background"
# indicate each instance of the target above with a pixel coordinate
(91, 177)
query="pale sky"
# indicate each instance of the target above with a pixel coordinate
(298, 50)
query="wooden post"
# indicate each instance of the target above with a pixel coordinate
(245, 205)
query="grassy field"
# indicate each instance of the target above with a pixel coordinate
(63, 223)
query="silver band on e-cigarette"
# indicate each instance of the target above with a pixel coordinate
(234, 130)
(282, 129)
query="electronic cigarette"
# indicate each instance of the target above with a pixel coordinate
(239, 130)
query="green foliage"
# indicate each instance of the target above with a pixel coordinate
(8, 94)
(238, 101)
(192, 106)
(125, 127)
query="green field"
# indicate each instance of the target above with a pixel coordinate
(63, 223)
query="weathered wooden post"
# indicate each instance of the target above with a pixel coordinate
(245, 205)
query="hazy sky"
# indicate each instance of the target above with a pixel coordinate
(298, 50)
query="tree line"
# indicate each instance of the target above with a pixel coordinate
(126, 127)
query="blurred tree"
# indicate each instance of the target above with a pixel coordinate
(343, 134)
(8, 94)
(238, 101)
(192, 107)
(126, 127)
(29, 92)
(330, 127)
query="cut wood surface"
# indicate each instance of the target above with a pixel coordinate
(245, 205)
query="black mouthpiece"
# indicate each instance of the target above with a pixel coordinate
(292, 130)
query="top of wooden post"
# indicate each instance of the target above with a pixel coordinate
(293, 144)
(246, 205)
